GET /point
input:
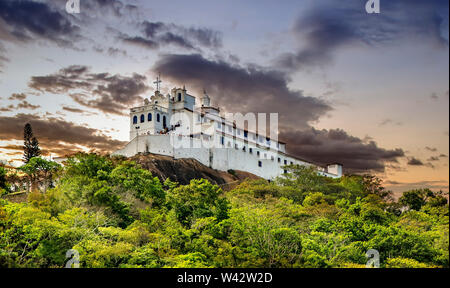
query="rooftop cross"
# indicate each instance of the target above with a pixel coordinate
(158, 82)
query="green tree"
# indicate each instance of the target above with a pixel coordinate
(414, 199)
(40, 169)
(30, 145)
(3, 181)
(132, 177)
(197, 200)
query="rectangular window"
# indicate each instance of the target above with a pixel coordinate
(257, 153)
(250, 150)
(239, 131)
(236, 146)
(279, 159)
(222, 140)
(245, 134)
(230, 129)
(285, 162)
(219, 125)
(259, 164)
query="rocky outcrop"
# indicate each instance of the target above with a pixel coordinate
(184, 170)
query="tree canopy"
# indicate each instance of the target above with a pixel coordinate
(116, 214)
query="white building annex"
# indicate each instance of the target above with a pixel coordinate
(177, 125)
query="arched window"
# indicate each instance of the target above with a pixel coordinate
(179, 96)
(142, 118)
(149, 117)
(157, 117)
(135, 120)
(164, 122)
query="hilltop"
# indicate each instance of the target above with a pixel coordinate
(184, 170)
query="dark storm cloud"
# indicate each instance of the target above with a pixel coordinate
(155, 34)
(56, 135)
(331, 25)
(30, 20)
(323, 146)
(3, 58)
(243, 89)
(102, 91)
(141, 41)
(254, 89)
(414, 162)
(116, 7)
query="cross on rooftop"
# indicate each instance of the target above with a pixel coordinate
(158, 82)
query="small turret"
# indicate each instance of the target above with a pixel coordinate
(206, 101)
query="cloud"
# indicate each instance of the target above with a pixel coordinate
(388, 121)
(432, 149)
(8, 108)
(27, 105)
(414, 162)
(336, 145)
(73, 110)
(243, 89)
(332, 25)
(22, 105)
(108, 93)
(140, 41)
(155, 34)
(56, 135)
(398, 187)
(29, 20)
(434, 96)
(3, 58)
(18, 96)
(115, 7)
(255, 89)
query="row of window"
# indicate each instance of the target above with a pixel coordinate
(149, 118)
(250, 150)
(260, 165)
(238, 132)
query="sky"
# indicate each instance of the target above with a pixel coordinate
(370, 91)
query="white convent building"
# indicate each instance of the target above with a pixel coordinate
(176, 125)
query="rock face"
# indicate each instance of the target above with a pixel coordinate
(184, 170)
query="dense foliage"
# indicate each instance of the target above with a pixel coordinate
(116, 214)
